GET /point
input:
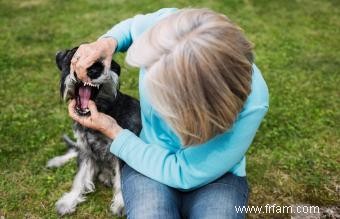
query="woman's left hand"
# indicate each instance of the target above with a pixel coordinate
(97, 120)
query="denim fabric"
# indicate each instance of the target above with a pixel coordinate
(148, 199)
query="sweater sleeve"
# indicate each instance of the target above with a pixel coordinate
(126, 31)
(194, 166)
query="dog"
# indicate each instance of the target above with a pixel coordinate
(92, 148)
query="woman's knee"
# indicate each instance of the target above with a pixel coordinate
(147, 198)
(219, 199)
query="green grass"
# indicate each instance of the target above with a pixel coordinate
(294, 158)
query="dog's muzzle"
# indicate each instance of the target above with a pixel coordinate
(84, 92)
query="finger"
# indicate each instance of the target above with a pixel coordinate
(85, 121)
(82, 65)
(73, 65)
(71, 68)
(71, 110)
(73, 114)
(88, 60)
(72, 104)
(75, 58)
(72, 71)
(107, 63)
(93, 109)
(79, 53)
(80, 69)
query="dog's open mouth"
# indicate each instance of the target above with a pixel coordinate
(84, 93)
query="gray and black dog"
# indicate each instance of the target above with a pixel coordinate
(92, 148)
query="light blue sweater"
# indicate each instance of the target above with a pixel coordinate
(158, 153)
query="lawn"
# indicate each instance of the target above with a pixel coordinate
(294, 159)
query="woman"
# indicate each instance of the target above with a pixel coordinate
(202, 100)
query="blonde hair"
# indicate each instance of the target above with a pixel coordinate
(198, 72)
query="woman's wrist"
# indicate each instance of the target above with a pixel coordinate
(108, 42)
(113, 132)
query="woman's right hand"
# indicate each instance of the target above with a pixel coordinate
(89, 53)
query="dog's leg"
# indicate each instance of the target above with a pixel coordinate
(82, 184)
(68, 141)
(59, 161)
(63, 159)
(117, 205)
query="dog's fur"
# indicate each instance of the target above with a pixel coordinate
(92, 148)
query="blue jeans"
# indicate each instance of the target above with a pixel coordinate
(148, 199)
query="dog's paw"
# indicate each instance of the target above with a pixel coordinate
(53, 163)
(117, 210)
(57, 161)
(117, 205)
(67, 204)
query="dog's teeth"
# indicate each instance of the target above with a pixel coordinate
(90, 84)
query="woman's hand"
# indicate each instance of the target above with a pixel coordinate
(97, 120)
(89, 53)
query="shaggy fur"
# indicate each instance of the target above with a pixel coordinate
(91, 147)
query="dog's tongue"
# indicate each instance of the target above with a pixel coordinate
(84, 94)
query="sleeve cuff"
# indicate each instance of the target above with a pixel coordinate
(119, 47)
(118, 143)
(121, 33)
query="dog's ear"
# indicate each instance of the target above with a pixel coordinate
(59, 57)
(64, 57)
(115, 67)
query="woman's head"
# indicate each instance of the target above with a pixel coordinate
(198, 71)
